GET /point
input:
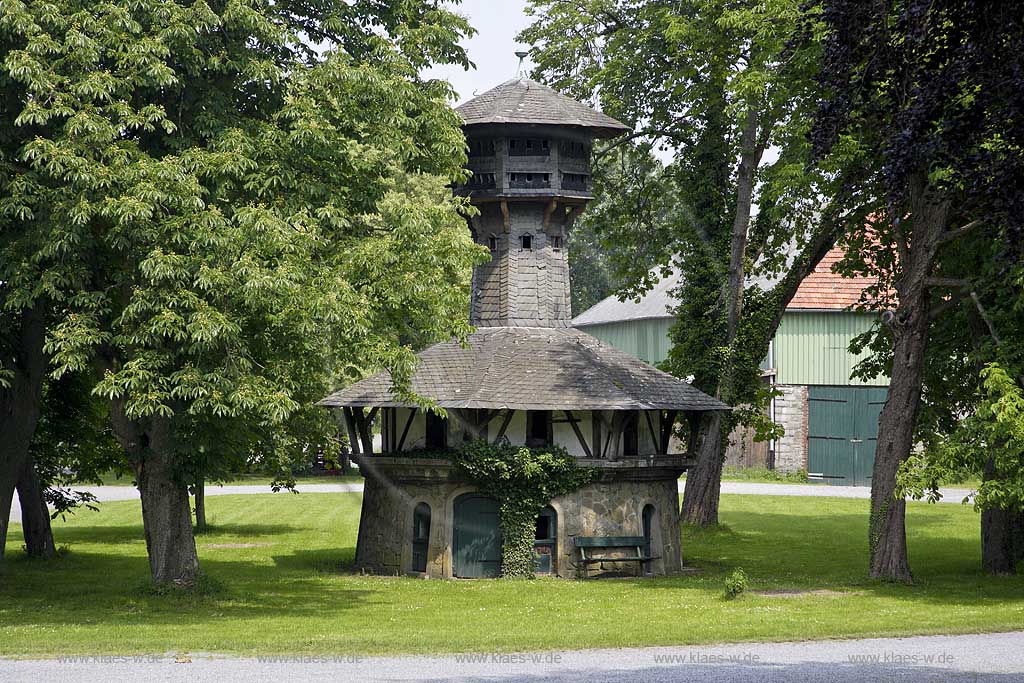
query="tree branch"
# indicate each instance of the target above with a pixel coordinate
(953, 282)
(951, 235)
(646, 132)
(984, 316)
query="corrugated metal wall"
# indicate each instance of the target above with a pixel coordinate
(812, 348)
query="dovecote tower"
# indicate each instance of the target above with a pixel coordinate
(525, 377)
(529, 152)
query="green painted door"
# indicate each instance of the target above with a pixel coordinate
(842, 432)
(477, 544)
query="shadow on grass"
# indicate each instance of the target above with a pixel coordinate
(107, 533)
(321, 560)
(114, 589)
(802, 551)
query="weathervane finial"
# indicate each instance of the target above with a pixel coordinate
(522, 54)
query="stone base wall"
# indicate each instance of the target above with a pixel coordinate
(615, 508)
(791, 413)
(612, 506)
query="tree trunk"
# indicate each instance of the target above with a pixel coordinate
(166, 513)
(7, 484)
(887, 535)
(200, 496)
(19, 408)
(704, 481)
(1002, 533)
(1002, 540)
(35, 516)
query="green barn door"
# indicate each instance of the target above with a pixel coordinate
(477, 545)
(842, 432)
(869, 407)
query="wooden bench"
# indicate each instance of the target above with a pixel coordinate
(598, 543)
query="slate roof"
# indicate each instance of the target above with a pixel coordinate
(822, 290)
(532, 368)
(521, 100)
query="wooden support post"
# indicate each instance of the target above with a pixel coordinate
(504, 425)
(405, 430)
(618, 426)
(668, 421)
(364, 429)
(650, 427)
(579, 434)
(552, 205)
(353, 436)
(596, 420)
(504, 215)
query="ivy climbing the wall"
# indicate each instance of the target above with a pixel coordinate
(523, 481)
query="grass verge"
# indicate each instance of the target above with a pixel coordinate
(281, 568)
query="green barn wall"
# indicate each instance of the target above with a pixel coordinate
(810, 347)
(647, 338)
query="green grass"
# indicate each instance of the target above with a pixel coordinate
(762, 475)
(111, 479)
(289, 587)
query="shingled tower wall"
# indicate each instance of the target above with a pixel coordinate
(529, 152)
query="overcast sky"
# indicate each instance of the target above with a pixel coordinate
(492, 49)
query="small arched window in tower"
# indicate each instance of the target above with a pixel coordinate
(420, 537)
(556, 242)
(492, 242)
(526, 242)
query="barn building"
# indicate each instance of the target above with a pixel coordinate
(526, 376)
(830, 418)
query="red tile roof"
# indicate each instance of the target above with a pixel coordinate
(826, 290)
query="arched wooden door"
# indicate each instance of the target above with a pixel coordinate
(476, 551)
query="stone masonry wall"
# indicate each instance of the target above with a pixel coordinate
(605, 508)
(791, 413)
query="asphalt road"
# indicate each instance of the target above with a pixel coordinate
(993, 658)
(108, 493)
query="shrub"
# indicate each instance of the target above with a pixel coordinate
(735, 584)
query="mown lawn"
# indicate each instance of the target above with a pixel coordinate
(283, 562)
(113, 479)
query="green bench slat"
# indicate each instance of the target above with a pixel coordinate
(609, 541)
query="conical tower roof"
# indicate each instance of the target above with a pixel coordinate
(521, 100)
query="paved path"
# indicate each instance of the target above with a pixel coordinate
(107, 493)
(993, 658)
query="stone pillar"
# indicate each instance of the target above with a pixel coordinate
(791, 413)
